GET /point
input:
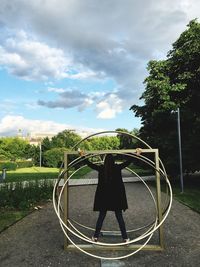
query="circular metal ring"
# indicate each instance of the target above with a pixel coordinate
(149, 233)
(69, 220)
(128, 231)
(100, 243)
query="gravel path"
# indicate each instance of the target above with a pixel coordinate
(37, 240)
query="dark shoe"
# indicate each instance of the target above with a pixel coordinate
(94, 239)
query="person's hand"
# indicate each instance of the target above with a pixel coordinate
(138, 151)
(81, 152)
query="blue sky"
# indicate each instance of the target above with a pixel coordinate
(81, 64)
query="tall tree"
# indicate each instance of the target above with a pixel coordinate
(67, 139)
(46, 144)
(126, 141)
(15, 148)
(173, 83)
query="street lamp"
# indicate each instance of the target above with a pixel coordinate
(180, 149)
(40, 146)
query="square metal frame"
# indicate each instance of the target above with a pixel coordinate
(152, 247)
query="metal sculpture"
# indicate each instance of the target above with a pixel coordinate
(68, 225)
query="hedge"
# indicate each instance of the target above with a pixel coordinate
(18, 196)
(24, 164)
(8, 165)
(12, 166)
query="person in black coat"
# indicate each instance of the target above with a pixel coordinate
(110, 193)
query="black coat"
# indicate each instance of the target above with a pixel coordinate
(110, 195)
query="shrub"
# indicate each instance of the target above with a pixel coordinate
(24, 164)
(3, 157)
(24, 196)
(8, 165)
(19, 177)
(53, 157)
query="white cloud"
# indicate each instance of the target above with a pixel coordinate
(29, 59)
(32, 60)
(91, 39)
(109, 107)
(9, 126)
(56, 90)
(68, 99)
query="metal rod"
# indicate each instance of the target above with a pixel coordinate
(180, 150)
(40, 146)
(66, 199)
(159, 200)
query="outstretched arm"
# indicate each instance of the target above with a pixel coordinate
(92, 165)
(128, 162)
(89, 163)
(125, 164)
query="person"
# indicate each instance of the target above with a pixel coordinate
(110, 193)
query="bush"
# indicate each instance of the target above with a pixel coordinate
(3, 157)
(54, 157)
(24, 196)
(24, 164)
(19, 177)
(4, 154)
(8, 165)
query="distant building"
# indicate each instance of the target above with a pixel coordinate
(35, 138)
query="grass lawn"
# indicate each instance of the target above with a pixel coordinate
(191, 194)
(39, 173)
(35, 170)
(8, 217)
(32, 173)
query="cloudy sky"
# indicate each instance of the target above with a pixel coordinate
(80, 64)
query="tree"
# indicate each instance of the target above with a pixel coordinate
(126, 141)
(104, 143)
(46, 144)
(14, 148)
(67, 139)
(53, 157)
(174, 83)
(4, 155)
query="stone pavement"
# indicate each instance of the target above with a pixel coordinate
(37, 240)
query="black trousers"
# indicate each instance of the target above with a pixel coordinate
(119, 216)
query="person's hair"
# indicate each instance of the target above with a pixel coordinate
(108, 167)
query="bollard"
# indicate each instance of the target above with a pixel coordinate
(3, 175)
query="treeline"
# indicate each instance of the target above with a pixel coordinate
(171, 84)
(16, 152)
(53, 149)
(14, 148)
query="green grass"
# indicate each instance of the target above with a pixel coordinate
(35, 170)
(8, 217)
(32, 173)
(39, 173)
(191, 195)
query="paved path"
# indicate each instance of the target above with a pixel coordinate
(91, 178)
(37, 240)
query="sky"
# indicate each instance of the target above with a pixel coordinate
(80, 64)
